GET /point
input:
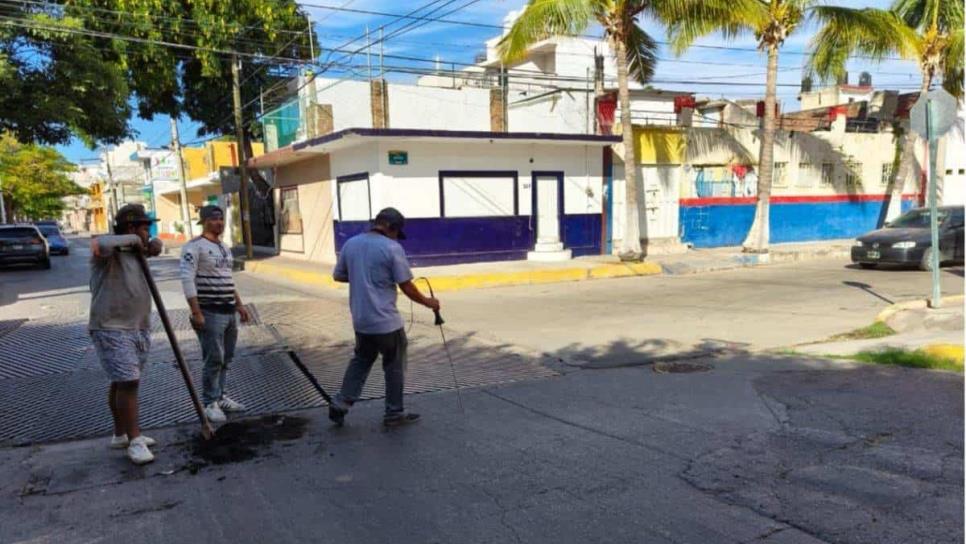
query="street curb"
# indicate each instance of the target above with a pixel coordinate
(918, 304)
(472, 281)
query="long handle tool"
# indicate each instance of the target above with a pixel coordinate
(439, 323)
(292, 355)
(206, 429)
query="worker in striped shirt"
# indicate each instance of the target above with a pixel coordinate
(206, 267)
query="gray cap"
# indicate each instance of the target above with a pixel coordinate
(210, 211)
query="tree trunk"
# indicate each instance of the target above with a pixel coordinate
(907, 159)
(631, 241)
(757, 239)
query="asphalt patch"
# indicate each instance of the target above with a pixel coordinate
(244, 440)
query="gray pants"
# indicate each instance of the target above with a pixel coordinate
(392, 347)
(217, 349)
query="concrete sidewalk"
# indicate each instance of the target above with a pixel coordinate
(917, 328)
(509, 273)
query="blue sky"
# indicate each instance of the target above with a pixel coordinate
(458, 43)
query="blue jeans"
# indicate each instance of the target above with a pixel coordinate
(217, 350)
(369, 347)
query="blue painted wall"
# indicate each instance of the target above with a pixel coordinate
(452, 240)
(724, 224)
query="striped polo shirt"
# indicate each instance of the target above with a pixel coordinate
(206, 268)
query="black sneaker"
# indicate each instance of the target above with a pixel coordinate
(337, 415)
(402, 418)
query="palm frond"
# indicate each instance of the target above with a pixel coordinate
(919, 14)
(872, 32)
(641, 54)
(953, 64)
(542, 19)
(688, 20)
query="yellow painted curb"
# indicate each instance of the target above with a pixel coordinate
(950, 352)
(914, 305)
(473, 281)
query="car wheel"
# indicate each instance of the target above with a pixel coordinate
(867, 266)
(45, 264)
(66, 252)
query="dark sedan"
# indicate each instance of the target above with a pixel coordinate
(58, 244)
(23, 244)
(907, 240)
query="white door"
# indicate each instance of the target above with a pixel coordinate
(548, 210)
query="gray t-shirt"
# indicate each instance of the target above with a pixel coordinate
(375, 265)
(120, 298)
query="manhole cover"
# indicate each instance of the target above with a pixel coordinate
(681, 368)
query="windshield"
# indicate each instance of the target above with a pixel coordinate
(12, 234)
(49, 231)
(916, 219)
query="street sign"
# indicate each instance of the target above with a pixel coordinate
(943, 114)
(398, 157)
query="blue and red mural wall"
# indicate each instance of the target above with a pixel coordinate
(717, 222)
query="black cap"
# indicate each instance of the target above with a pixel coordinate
(391, 218)
(210, 211)
(132, 214)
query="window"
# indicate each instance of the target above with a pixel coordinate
(828, 170)
(887, 169)
(949, 171)
(478, 194)
(805, 174)
(853, 175)
(355, 203)
(291, 215)
(779, 178)
(962, 171)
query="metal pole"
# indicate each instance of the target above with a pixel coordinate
(382, 67)
(183, 189)
(368, 52)
(935, 300)
(242, 159)
(308, 17)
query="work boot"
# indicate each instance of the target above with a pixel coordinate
(337, 415)
(399, 418)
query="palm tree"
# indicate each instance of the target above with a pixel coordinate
(635, 53)
(771, 22)
(927, 31)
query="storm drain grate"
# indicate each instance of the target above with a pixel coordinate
(69, 404)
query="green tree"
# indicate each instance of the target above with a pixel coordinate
(56, 82)
(771, 22)
(930, 32)
(170, 57)
(635, 53)
(34, 180)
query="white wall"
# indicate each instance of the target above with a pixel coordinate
(414, 188)
(350, 100)
(440, 109)
(954, 167)
(563, 111)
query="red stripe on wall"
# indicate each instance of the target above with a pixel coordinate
(732, 201)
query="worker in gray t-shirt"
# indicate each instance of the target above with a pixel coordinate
(373, 264)
(120, 321)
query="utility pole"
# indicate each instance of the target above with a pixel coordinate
(111, 190)
(935, 300)
(382, 67)
(368, 53)
(308, 17)
(176, 143)
(3, 208)
(242, 158)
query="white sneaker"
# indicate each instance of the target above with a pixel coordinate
(121, 442)
(229, 405)
(214, 414)
(138, 451)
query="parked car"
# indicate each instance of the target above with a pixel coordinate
(55, 240)
(23, 244)
(907, 240)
